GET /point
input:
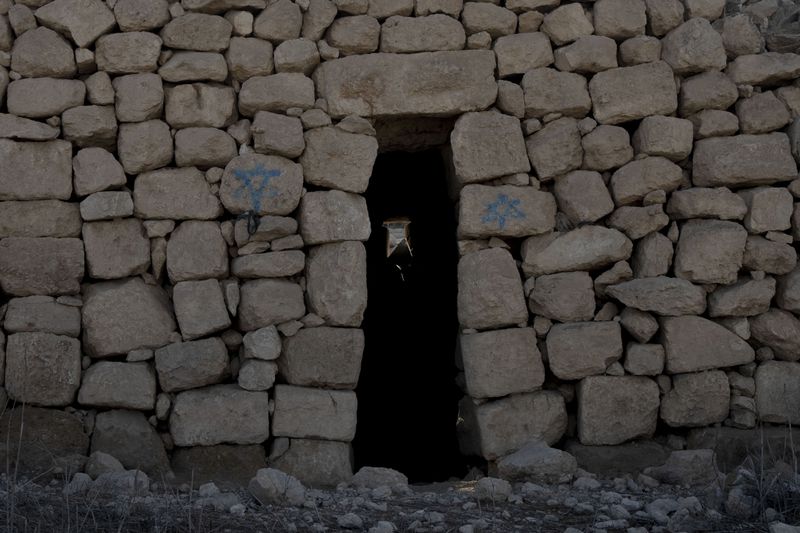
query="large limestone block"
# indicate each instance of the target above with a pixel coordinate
(261, 184)
(355, 35)
(194, 66)
(582, 196)
(769, 256)
(323, 357)
(277, 92)
(128, 53)
(652, 256)
(619, 19)
(634, 181)
(550, 91)
(189, 365)
(197, 250)
(710, 251)
(116, 248)
(747, 297)
(589, 54)
(485, 17)
(269, 265)
(743, 160)
(556, 149)
(90, 125)
(197, 31)
(584, 248)
(23, 129)
(200, 105)
(141, 15)
(693, 343)
(507, 211)
(144, 146)
(566, 297)
(44, 314)
(434, 83)
(779, 330)
(35, 170)
(41, 265)
(769, 68)
(788, 291)
(176, 194)
(517, 54)
(337, 159)
(336, 282)
(612, 410)
(266, 302)
(281, 21)
(661, 295)
(203, 148)
(42, 368)
(709, 90)
(487, 145)
(692, 47)
(778, 392)
(219, 414)
(129, 437)
(44, 97)
(138, 97)
(706, 202)
(119, 385)
(330, 216)
(82, 20)
(768, 209)
(96, 169)
(40, 53)
(502, 362)
(490, 290)
(566, 24)
(406, 35)
(668, 137)
(316, 463)
(496, 428)
(637, 222)
(120, 316)
(762, 113)
(697, 400)
(606, 147)
(575, 351)
(278, 134)
(249, 57)
(228, 466)
(630, 93)
(304, 412)
(200, 308)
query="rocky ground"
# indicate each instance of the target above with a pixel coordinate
(587, 504)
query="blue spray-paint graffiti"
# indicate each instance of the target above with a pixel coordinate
(256, 183)
(501, 210)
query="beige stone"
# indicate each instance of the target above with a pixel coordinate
(693, 47)
(116, 249)
(40, 53)
(589, 54)
(556, 149)
(565, 297)
(581, 349)
(331, 216)
(630, 93)
(267, 302)
(619, 19)
(584, 248)
(517, 54)
(323, 357)
(176, 194)
(44, 265)
(261, 184)
(432, 33)
(189, 365)
(693, 344)
(304, 412)
(219, 414)
(550, 91)
(200, 308)
(144, 146)
(697, 400)
(778, 391)
(583, 196)
(631, 183)
(490, 301)
(566, 23)
(196, 250)
(35, 170)
(128, 53)
(118, 385)
(661, 295)
(336, 278)
(709, 90)
(780, 331)
(200, 105)
(340, 160)
(43, 97)
(42, 368)
(502, 362)
(606, 147)
(43, 314)
(612, 410)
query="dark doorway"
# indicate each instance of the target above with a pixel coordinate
(407, 396)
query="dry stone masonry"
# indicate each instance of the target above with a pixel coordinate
(182, 221)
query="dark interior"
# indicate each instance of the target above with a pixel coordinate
(407, 396)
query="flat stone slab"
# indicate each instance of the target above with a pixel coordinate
(435, 83)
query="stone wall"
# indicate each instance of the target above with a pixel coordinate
(182, 222)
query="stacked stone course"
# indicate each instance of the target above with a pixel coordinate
(182, 264)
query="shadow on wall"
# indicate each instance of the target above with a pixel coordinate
(407, 393)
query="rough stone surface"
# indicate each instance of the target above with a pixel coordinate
(303, 412)
(585, 248)
(487, 145)
(661, 295)
(693, 343)
(267, 302)
(505, 211)
(177, 194)
(317, 463)
(118, 385)
(550, 91)
(339, 160)
(710, 251)
(132, 441)
(219, 414)
(697, 400)
(583, 349)
(743, 160)
(630, 93)
(612, 410)
(42, 369)
(336, 277)
(436, 83)
(45, 265)
(190, 365)
(777, 391)
(261, 184)
(490, 301)
(323, 357)
(502, 362)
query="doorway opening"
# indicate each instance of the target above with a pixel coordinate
(407, 394)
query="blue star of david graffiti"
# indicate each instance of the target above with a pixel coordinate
(501, 210)
(256, 182)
